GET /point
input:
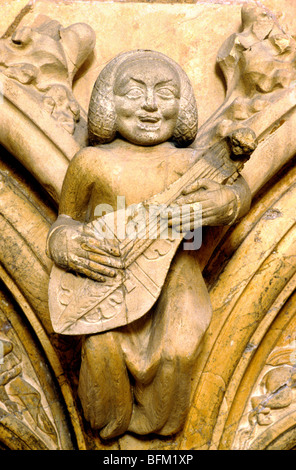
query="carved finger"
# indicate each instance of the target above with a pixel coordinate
(187, 227)
(184, 200)
(212, 216)
(203, 183)
(94, 253)
(95, 268)
(101, 246)
(192, 218)
(91, 275)
(210, 185)
(80, 265)
(109, 272)
(191, 187)
(179, 210)
(105, 260)
(210, 221)
(200, 196)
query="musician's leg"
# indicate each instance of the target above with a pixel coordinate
(180, 319)
(104, 387)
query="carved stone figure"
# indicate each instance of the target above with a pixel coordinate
(142, 119)
(131, 322)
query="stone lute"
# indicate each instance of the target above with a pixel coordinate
(85, 306)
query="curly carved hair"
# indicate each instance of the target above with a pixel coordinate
(102, 115)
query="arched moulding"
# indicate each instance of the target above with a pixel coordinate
(260, 395)
(12, 169)
(272, 152)
(259, 269)
(228, 239)
(30, 403)
(239, 387)
(248, 295)
(23, 242)
(30, 134)
(24, 270)
(280, 436)
(269, 159)
(16, 436)
(52, 359)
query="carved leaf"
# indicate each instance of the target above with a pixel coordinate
(281, 356)
(86, 304)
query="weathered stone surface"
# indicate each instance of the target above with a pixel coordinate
(243, 387)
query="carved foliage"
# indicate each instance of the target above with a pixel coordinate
(29, 403)
(45, 57)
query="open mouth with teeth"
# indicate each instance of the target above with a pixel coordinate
(149, 123)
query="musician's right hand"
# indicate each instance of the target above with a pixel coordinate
(73, 245)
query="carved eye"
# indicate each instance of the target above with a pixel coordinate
(165, 93)
(134, 93)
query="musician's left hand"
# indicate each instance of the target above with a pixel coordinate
(218, 202)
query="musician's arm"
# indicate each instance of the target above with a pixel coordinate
(73, 202)
(71, 243)
(220, 204)
(77, 186)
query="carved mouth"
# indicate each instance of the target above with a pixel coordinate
(149, 118)
(149, 123)
(149, 127)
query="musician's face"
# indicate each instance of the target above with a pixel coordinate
(146, 96)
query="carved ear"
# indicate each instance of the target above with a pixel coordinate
(78, 41)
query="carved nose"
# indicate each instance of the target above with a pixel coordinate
(150, 102)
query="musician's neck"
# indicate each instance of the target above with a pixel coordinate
(148, 151)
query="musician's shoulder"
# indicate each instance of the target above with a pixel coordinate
(187, 154)
(89, 156)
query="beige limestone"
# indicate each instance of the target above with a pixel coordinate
(249, 269)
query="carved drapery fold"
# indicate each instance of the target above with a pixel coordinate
(244, 399)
